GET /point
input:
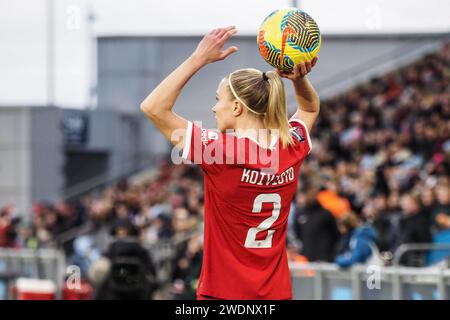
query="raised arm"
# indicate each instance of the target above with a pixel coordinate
(307, 98)
(159, 103)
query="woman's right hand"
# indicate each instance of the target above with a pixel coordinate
(210, 49)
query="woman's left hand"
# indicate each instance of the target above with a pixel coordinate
(300, 71)
(210, 49)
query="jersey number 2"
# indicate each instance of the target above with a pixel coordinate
(250, 240)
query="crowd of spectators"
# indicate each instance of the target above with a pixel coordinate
(168, 207)
(378, 176)
(382, 152)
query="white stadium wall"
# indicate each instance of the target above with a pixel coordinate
(31, 156)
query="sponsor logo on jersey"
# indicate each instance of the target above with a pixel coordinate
(204, 137)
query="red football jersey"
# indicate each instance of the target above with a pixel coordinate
(246, 211)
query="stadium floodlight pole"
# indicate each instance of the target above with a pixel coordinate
(50, 53)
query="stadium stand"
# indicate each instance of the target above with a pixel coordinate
(380, 168)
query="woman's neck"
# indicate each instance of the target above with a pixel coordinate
(254, 129)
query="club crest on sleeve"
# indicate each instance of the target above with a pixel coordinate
(297, 133)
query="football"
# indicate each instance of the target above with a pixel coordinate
(287, 37)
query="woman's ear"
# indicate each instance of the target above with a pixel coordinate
(237, 108)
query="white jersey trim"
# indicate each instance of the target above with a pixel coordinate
(187, 141)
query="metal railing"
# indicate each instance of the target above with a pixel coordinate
(315, 281)
(164, 252)
(418, 247)
(326, 281)
(38, 264)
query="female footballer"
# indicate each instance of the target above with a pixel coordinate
(247, 196)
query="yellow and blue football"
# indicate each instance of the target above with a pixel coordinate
(287, 37)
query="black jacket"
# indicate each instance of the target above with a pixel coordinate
(132, 274)
(414, 229)
(316, 228)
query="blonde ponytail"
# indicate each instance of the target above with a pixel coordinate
(264, 95)
(277, 114)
